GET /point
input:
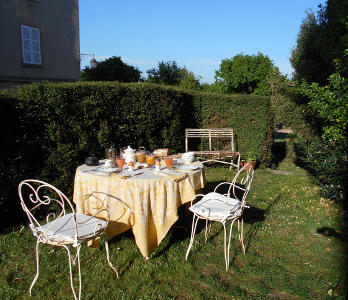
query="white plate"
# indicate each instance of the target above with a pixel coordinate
(105, 169)
(188, 167)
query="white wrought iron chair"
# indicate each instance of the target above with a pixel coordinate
(223, 207)
(62, 226)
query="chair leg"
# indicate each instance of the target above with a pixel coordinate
(240, 234)
(37, 266)
(193, 231)
(70, 270)
(79, 268)
(207, 230)
(225, 253)
(231, 164)
(229, 243)
(108, 257)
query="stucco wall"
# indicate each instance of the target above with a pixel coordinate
(58, 21)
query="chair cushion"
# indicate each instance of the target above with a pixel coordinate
(216, 206)
(63, 228)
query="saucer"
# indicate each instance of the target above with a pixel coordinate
(106, 169)
(189, 167)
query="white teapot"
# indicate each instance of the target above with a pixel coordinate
(129, 155)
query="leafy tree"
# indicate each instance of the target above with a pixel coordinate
(322, 39)
(307, 58)
(246, 74)
(320, 58)
(216, 87)
(329, 103)
(277, 82)
(325, 35)
(188, 80)
(169, 73)
(166, 73)
(111, 69)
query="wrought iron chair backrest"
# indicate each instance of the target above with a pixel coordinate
(36, 195)
(100, 201)
(241, 183)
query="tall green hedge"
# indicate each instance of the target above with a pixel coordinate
(290, 109)
(48, 129)
(250, 116)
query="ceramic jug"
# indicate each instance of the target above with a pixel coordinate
(129, 155)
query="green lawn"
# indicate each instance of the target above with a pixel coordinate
(294, 242)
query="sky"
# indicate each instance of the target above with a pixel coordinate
(197, 34)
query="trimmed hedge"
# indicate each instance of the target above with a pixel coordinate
(290, 109)
(250, 116)
(48, 129)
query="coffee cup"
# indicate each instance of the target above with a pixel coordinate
(188, 157)
(109, 163)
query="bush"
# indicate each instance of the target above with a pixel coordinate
(329, 104)
(326, 163)
(14, 162)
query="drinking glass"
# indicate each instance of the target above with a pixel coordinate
(150, 159)
(120, 162)
(169, 161)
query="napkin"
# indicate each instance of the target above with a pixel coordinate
(174, 176)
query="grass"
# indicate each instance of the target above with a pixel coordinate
(295, 249)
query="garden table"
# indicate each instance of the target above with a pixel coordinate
(151, 198)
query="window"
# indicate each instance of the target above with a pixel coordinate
(31, 45)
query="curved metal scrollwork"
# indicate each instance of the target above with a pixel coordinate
(223, 207)
(42, 194)
(62, 227)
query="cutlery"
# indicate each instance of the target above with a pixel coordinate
(129, 175)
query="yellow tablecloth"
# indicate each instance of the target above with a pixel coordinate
(151, 201)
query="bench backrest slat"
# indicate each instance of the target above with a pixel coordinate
(214, 132)
(209, 133)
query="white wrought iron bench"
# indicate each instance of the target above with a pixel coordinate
(214, 155)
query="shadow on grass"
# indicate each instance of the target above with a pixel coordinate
(181, 230)
(280, 135)
(182, 227)
(278, 153)
(251, 215)
(330, 173)
(255, 217)
(331, 232)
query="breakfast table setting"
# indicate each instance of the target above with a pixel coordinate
(141, 191)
